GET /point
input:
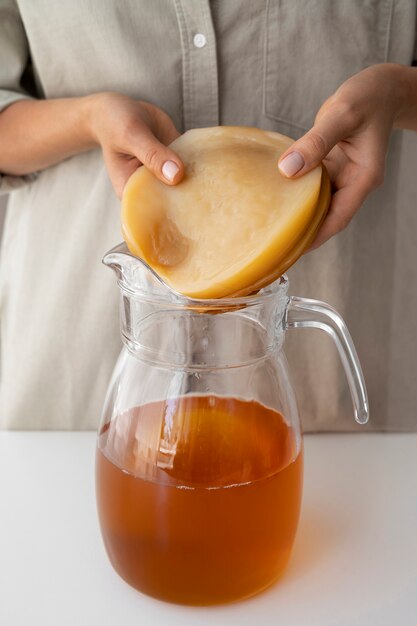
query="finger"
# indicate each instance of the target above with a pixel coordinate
(163, 162)
(170, 134)
(333, 126)
(160, 123)
(120, 168)
(164, 128)
(345, 203)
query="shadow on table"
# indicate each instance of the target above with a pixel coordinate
(318, 535)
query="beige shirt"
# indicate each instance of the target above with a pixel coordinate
(266, 63)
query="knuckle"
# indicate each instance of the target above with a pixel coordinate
(316, 144)
(151, 158)
(349, 112)
(129, 131)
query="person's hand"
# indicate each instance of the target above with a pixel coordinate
(133, 133)
(350, 135)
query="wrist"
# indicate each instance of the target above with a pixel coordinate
(406, 114)
(398, 79)
(87, 107)
(91, 110)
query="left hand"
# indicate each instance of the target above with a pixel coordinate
(350, 135)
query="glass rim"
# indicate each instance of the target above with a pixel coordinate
(277, 288)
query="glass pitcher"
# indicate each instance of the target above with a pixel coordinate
(199, 463)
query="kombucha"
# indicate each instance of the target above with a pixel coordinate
(199, 497)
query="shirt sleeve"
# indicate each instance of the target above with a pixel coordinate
(14, 60)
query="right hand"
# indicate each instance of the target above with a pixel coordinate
(350, 135)
(133, 133)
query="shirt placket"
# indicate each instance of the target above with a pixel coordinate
(199, 64)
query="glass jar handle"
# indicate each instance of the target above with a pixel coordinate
(306, 313)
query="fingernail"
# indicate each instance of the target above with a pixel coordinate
(292, 164)
(170, 170)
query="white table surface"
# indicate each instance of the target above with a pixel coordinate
(354, 561)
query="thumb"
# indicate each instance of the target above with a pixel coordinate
(163, 162)
(310, 150)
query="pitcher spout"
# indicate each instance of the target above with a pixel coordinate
(135, 275)
(119, 259)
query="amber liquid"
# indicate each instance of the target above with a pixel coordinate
(199, 497)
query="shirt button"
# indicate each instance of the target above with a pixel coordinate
(199, 40)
